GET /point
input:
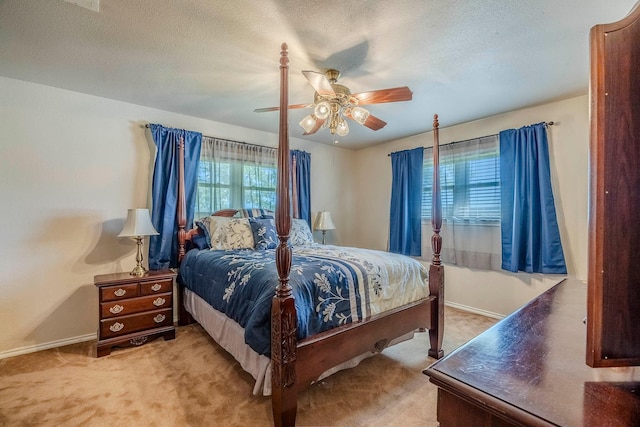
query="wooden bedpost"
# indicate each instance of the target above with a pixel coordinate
(436, 269)
(182, 203)
(184, 317)
(284, 320)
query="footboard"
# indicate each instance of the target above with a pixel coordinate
(321, 352)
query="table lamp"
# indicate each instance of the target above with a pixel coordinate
(324, 223)
(138, 225)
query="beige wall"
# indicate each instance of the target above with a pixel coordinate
(70, 167)
(495, 293)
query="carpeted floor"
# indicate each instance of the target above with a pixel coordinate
(190, 381)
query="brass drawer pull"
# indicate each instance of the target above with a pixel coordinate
(120, 292)
(156, 287)
(116, 327)
(159, 301)
(159, 318)
(116, 309)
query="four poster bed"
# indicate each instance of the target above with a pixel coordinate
(300, 351)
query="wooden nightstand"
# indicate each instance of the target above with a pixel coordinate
(134, 309)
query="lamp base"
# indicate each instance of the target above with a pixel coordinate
(138, 271)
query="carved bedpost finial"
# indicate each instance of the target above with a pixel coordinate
(284, 55)
(435, 121)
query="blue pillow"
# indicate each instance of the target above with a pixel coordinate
(203, 224)
(264, 233)
(200, 241)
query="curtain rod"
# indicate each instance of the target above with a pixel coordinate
(547, 124)
(230, 140)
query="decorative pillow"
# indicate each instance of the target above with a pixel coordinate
(209, 224)
(255, 213)
(300, 233)
(233, 234)
(264, 233)
(199, 241)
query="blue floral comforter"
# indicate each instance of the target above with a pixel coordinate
(332, 286)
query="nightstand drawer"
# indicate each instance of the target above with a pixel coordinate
(156, 287)
(135, 305)
(112, 293)
(136, 322)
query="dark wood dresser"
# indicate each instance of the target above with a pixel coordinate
(134, 309)
(529, 370)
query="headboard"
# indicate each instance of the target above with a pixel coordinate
(613, 297)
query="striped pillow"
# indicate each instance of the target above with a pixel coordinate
(255, 213)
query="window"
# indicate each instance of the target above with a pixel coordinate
(469, 181)
(470, 187)
(235, 175)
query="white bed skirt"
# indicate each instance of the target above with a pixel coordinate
(230, 336)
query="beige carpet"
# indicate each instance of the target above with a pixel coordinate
(190, 381)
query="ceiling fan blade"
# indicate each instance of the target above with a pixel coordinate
(320, 83)
(395, 94)
(374, 123)
(291, 107)
(318, 125)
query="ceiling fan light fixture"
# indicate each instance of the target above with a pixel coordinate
(360, 115)
(333, 104)
(308, 123)
(343, 128)
(322, 110)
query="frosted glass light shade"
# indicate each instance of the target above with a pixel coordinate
(360, 115)
(308, 123)
(323, 221)
(138, 223)
(322, 110)
(343, 127)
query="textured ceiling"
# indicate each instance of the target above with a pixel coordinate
(463, 59)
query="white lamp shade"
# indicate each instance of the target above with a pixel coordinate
(138, 224)
(324, 222)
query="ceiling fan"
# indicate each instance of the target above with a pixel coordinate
(333, 103)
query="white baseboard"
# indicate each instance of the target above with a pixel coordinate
(46, 346)
(474, 310)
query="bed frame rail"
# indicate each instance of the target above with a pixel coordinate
(328, 349)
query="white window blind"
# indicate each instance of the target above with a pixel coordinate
(469, 180)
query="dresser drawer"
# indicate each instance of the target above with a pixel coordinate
(135, 305)
(117, 292)
(156, 287)
(136, 322)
